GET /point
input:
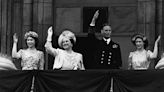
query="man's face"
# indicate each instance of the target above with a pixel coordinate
(106, 31)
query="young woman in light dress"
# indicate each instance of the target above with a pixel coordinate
(65, 57)
(140, 58)
(31, 58)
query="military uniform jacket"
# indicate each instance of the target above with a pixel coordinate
(104, 56)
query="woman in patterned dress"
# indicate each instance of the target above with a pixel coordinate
(140, 58)
(65, 58)
(31, 58)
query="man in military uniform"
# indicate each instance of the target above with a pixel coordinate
(105, 53)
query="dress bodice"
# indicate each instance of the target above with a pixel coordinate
(30, 60)
(140, 60)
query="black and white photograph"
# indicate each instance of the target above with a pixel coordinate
(81, 46)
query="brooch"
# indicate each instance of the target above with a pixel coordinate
(115, 46)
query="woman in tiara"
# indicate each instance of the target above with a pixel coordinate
(140, 58)
(65, 57)
(31, 58)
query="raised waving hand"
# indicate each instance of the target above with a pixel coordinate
(15, 38)
(95, 16)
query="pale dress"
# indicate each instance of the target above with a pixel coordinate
(160, 64)
(31, 61)
(67, 61)
(140, 60)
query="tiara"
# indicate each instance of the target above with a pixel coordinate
(139, 35)
(30, 33)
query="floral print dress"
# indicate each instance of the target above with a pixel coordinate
(31, 60)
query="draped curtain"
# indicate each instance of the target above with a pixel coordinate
(82, 81)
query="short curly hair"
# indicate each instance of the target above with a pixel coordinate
(67, 34)
(141, 36)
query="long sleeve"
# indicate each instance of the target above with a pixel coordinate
(91, 39)
(90, 48)
(49, 48)
(91, 32)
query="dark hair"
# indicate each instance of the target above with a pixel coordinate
(105, 24)
(36, 41)
(141, 36)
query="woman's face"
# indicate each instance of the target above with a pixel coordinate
(66, 43)
(139, 43)
(30, 42)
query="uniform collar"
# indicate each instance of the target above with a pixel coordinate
(107, 40)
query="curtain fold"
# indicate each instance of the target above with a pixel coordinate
(139, 81)
(72, 81)
(15, 81)
(82, 81)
